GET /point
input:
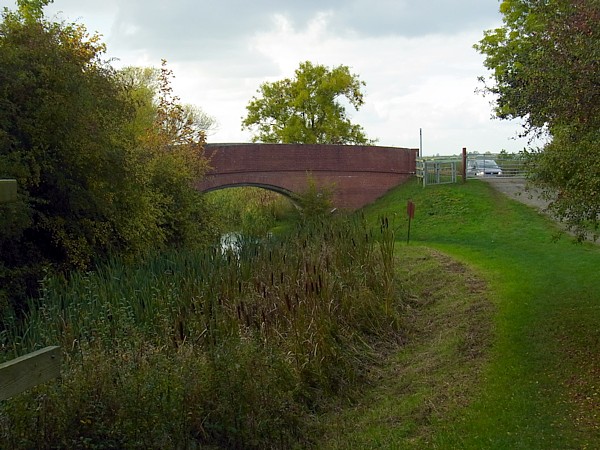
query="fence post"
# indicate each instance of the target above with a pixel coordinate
(464, 165)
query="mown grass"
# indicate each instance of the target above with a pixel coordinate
(539, 383)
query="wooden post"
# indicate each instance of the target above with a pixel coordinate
(410, 210)
(27, 371)
(464, 165)
(8, 191)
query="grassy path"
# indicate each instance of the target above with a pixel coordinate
(534, 382)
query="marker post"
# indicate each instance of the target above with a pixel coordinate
(410, 210)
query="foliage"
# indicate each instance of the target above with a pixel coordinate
(60, 136)
(571, 162)
(32, 10)
(170, 140)
(315, 202)
(148, 88)
(545, 64)
(175, 144)
(545, 61)
(307, 109)
(96, 176)
(236, 350)
(251, 211)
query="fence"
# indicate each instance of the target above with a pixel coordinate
(449, 169)
(502, 165)
(25, 372)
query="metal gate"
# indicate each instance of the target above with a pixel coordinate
(437, 171)
(449, 169)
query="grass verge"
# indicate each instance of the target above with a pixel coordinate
(447, 317)
(538, 385)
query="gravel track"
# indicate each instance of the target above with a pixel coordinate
(518, 189)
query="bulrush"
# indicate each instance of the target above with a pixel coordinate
(229, 350)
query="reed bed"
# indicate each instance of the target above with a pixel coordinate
(234, 349)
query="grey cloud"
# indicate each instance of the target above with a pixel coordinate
(221, 30)
(188, 26)
(415, 18)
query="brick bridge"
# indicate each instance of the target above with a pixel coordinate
(358, 174)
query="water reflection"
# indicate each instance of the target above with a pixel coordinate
(231, 242)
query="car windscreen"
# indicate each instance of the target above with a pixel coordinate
(487, 165)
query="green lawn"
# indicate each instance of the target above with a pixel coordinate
(505, 345)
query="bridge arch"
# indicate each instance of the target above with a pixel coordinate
(279, 190)
(358, 174)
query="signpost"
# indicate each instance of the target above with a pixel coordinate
(464, 165)
(8, 191)
(410, 210)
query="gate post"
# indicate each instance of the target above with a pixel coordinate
(464, 165)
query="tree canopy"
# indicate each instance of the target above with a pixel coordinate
(545, 69)
(308, 109)
(103, 167)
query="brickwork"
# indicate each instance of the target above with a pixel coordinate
(358, 174)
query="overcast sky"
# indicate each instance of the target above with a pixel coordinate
(415, 56)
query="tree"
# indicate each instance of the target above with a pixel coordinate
(170, 140)
(146, 86)
(99, 173)
(175, 143)
(62, 137)
(307, 109)
(545, 69)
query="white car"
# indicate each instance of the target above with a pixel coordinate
(483, 168)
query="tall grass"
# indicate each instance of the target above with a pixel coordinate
(233, 349)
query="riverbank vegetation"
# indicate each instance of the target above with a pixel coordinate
(235, 349)
(250, 211)
(487, 320)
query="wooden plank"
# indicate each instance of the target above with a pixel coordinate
(8, 191)
(27, 371)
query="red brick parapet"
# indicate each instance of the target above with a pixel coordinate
(359, 174)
